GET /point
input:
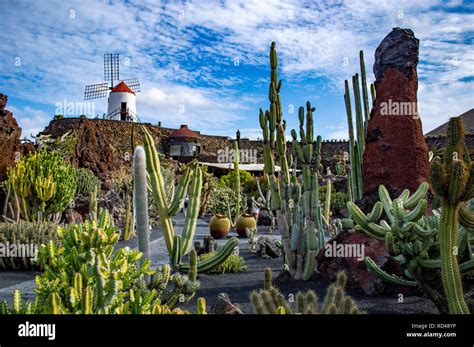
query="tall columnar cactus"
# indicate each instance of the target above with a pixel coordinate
(236, 183)
(357, 138)
(180, 245)
(453, 180)
(297, 205)
(140, 193)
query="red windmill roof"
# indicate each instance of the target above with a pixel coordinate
(122, 88)
(183, 131)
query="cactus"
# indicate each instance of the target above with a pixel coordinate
(140, 192)
(93, 209)
(412, 238)
(41, 186)
(29, 235)
(86, 182)
(453, 180)
(357, 138)
(18, 307)
(270, 300)
(128, 229)
(252, 239)
(179, 245)
(327, 202)
(85, 275)
(264, 203)
(297, 204)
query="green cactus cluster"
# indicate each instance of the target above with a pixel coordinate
(39, 187)
(25, 236)
(299, 213)
(18, 306)
(357, 136)
(414, 239)
(337, 225)
(178, 246)
(270, 300)
(138, 303)
(85, 274)
(86, 182)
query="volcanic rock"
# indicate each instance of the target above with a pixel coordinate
(358, 276)
(10, 144)
(223, 305)
(396, 154)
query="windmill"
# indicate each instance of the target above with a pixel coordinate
(121, 101)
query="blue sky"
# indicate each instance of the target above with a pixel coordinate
(205, 63)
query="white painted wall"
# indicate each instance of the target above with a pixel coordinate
(115, 100)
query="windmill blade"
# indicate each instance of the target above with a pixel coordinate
(133, 84)
(111, 67)
(96, 91)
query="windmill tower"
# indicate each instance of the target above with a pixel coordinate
(121, 101)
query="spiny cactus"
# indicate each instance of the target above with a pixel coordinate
(18, 306)
(357, 138)
(269, 300)
(27, 237)
(297, 204)
(264, 203)
(41, 186)
(86, 182)
(140, 193)
(453, 180)
(93, 205)
(128, 229)
(85, 275)
(180, 245)
(412, 238)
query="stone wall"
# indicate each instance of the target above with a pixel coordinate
(104, 146)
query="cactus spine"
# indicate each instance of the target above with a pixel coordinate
(453, 181)
(180, 245)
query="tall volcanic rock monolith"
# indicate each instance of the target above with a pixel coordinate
(9, 143)
(396, 154)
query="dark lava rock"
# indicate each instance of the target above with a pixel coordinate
(396, 154)
(358, 276)
(223, 305)
(10, 144)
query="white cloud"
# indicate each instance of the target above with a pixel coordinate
(178, 50)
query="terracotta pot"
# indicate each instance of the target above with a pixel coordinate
(245, 221)
(219, 226)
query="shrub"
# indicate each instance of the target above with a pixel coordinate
(247, 182)
(338, 199)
